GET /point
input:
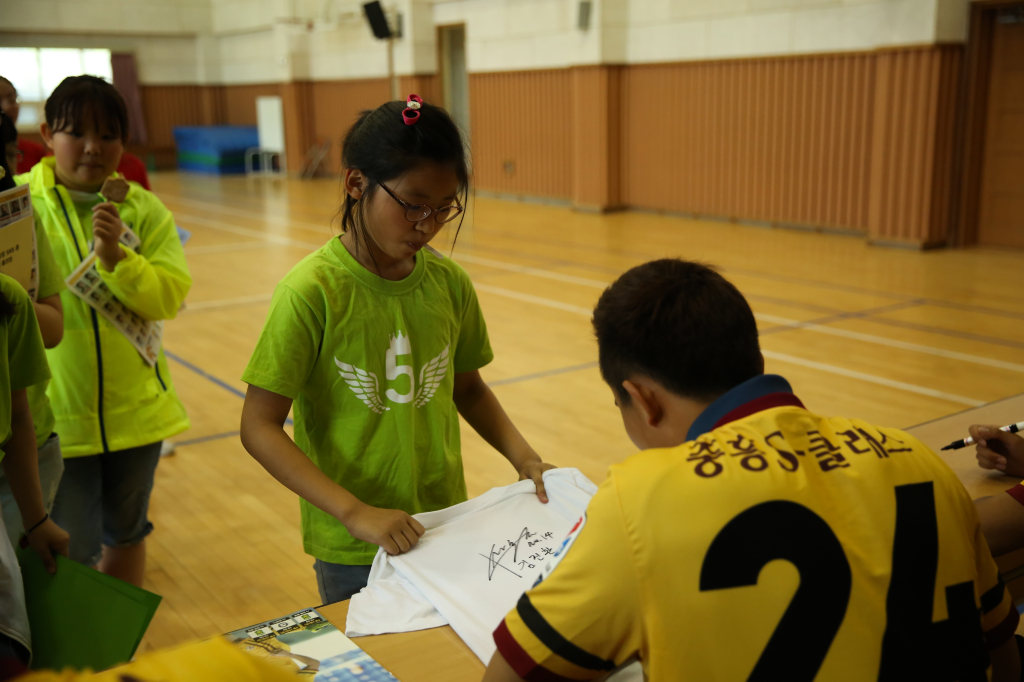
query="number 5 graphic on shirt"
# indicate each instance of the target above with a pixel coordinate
(912, 648)
(399, 346)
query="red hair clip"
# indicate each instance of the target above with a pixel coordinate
(412, 110)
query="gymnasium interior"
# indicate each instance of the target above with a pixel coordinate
(854, 167)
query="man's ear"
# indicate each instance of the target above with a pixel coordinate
(646, 401)
(44, 130)
(355, 183)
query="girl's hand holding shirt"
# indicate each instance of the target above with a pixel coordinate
(106, 229)
(392, 529)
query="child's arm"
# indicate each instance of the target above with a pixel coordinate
(263, 435)
(21, 466)
(479, 406)
(50, 314)
(154, 285)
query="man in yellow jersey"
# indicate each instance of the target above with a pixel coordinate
(753, 539)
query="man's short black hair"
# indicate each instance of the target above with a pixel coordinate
(679, 323)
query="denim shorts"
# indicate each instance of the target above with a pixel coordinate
(51, 467)
(103, 500)
(338, 582)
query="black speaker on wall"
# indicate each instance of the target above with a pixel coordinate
(583, 15)
(378, 22)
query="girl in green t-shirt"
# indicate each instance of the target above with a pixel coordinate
(22, 364)
(376, 341)
(50, 314)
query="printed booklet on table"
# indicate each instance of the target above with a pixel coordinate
(308, 644)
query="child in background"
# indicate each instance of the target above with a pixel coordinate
(22, 364)
(50, 315)
(378, 340)
(29, 153)
(112, 408)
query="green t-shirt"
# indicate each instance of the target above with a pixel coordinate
(22, 357)
(51, 281)
(370, 364)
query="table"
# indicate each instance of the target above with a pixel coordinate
(438, 655)
(435, 655)
(979, 482)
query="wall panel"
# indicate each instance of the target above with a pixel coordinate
(335, 107)
(912, 145)
(783, 140)
(427, 86)
(240, 102)
(596, 92)
(522, 131)
(167, 106)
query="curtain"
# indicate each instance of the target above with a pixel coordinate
(126, 80)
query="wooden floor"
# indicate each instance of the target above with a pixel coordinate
(893, 336)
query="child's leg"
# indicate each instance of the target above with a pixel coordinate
(338, 582)
(78, 508)
(127, 484)
(14, 654)
(51, 467)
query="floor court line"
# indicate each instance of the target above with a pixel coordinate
(226, 248)
(811, 364)
(245, 231)
(840, 317)
(882, 381)
(226, 302)
(787, 324)
(254, 215)
(754, 273)
(817, 328)
(764, 275)
(210, 377)
(529, 298)
(206, 375)
(542, 375)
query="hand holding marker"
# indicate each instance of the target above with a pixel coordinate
(956, 445)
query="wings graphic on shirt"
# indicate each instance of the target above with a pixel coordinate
(431, 376)
(364, 384)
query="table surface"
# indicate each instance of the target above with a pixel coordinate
(438, 655)
(435, 655)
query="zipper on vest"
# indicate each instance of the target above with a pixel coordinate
(95, 328)
(159, 378)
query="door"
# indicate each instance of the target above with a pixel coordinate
(1001, 221)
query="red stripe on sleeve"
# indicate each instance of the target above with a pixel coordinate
(513, 654)
(521, 663)
(1017, 492)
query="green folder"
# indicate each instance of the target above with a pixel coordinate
(80, 617)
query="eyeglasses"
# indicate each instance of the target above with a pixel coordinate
(415, 213)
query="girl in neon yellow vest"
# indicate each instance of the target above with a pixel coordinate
(112, 407)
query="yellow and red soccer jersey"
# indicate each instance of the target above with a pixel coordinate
(778, 545)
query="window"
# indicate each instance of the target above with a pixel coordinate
(35, 72)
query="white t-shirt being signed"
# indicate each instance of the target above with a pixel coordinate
(473, 563)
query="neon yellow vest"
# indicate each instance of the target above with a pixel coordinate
(105, 396)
